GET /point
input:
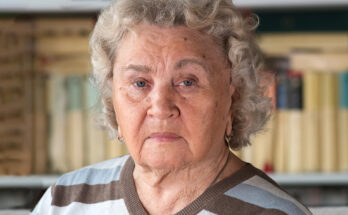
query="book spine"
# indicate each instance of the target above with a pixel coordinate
(343, 122)
(95, 138)
(40, 131)
(280, 155)
(281, 118)
(282, 91)
(57, 147)
(328, 129)
(75, 126)
(294, 133)
(311, 140)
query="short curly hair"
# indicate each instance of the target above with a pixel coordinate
(219, 18)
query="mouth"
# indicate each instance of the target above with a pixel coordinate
(164, 137)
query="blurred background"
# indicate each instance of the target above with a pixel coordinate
(48, 106)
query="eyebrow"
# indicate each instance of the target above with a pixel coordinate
(178, 65)
(187, 61)
(139, 68)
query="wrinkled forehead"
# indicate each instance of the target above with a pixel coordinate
(176, 38)
(179, 32)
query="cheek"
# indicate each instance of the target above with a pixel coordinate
(205, 116)
(198, 115)
(132, 95)
(126, 97)
(130, 110)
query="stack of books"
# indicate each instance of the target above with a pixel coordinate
(16, 125)
(308, 131)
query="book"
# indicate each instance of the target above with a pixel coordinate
(319, 61)
(281, 67)
(328, 126)
(63, 26)
(75, 123)
(94, 135)
(294, 121)
(62, 45)
(262, 147)
(343, 122)
(311, 140)
(16, 106)
(57, 145)
(282, 44)
(281, 129)
(75, 64)
(40, 125)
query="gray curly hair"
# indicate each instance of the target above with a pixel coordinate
(219, 18)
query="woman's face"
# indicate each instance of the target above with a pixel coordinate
(172, 96)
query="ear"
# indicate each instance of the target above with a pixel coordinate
(232, 94)
(119, 132)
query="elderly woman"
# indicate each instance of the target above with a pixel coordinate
(180, 85)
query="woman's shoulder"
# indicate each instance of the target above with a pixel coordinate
(261, 191)
(91, 188)
(100, 173)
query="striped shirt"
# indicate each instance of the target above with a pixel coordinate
(108, 188)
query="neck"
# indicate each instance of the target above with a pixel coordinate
(173, 189)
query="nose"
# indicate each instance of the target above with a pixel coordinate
(163, 105)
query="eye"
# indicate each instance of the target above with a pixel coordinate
(187, 83)
(140, 84)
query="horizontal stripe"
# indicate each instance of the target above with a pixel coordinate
(262, 198)
(90, 176)
(257, 181)
(205, 212)
(109, 207)
(224, 204)
(84, 193)
(111, 163)
(95, 174)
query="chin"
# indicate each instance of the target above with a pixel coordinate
(163, 161)
(159, 155)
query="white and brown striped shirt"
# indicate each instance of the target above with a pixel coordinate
(108, 188)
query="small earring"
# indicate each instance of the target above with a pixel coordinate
(228, 141)
(120, 139)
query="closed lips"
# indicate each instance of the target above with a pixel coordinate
(164, 136)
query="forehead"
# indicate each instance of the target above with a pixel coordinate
(178, 40)
(177, 33)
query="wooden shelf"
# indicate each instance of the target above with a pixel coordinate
(305, 179)
(62, 6)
